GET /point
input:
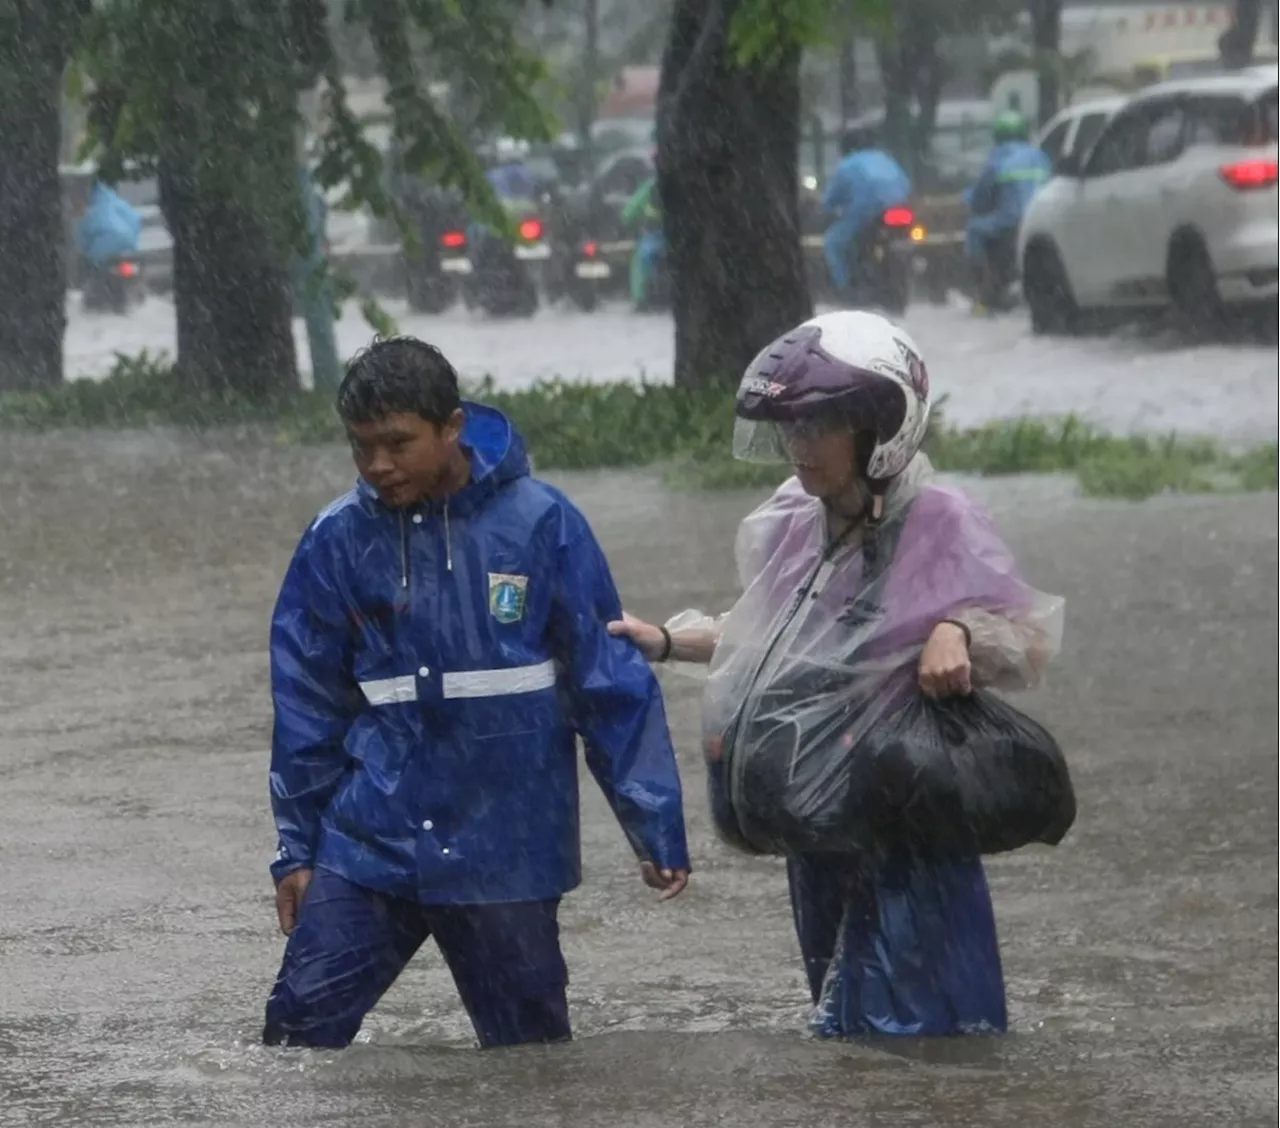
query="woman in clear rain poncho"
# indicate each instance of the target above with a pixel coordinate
(864, 582)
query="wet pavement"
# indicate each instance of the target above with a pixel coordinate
(137, 934)
(1141, 377)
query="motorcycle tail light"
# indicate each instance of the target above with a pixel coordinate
(899, 217)
(453, 240)
(531, 230)
(590, 249)
(127, 269)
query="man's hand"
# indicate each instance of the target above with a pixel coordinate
(645, 635)
(670, 882)
(290, 894)
(944, 666)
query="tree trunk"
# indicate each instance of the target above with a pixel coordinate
(728, 138)
(35, 42)
(1046, 42)
(590, 76)
(896, 78)
(1236, 43)
(848, 71)
(231, 279)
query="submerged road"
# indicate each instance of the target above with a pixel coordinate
(138, 938)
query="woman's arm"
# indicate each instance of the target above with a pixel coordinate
(695, 643)
(1010, 654)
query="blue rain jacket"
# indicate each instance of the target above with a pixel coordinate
(865, 183)
(429, 669)
(513, 181)
(109, 228)
(1013, 174)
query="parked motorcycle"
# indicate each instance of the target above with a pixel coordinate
(115, 286)
(429, 288)
(502, 278)
(883, 268)
(578, 272)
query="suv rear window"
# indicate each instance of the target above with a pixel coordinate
(1229, 121)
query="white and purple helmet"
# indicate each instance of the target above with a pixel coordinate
(849, 365)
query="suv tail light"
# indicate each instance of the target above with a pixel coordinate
(899, 217)
(1246, 175)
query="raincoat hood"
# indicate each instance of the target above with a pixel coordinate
(497, 454)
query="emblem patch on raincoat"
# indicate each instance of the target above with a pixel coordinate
(507, 596)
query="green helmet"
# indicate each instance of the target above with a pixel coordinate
(1010, 126)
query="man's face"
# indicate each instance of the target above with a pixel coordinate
(405, 457)
(823, 457)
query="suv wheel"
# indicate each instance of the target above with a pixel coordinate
(1047, 291)
(1192, 284)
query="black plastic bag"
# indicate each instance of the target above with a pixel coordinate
(960, 777)
(952, 778)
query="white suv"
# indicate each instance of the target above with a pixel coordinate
(1175, 201)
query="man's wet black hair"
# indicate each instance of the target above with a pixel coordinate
(399, 375)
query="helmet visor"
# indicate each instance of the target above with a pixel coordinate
(769, 443)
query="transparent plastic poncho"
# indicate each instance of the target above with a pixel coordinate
(826, 641)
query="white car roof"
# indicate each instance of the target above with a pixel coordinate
(1106, 106)
(1247, 82)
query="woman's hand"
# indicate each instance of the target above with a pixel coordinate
(944, 666)
(646, 636)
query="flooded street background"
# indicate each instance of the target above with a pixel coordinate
(1147, 378)
(137, 932)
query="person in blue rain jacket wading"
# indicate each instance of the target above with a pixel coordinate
(438, 643)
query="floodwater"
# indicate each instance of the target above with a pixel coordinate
(138, 938)
(1142, 378)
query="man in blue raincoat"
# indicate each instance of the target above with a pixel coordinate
(867, 182)
(109, 229)
(439, 642)
(1013, 174)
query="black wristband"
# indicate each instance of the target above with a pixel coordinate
(968, 634)
(666, 645)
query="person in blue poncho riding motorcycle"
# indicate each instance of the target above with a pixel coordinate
(109, 229)
(439, 643)
(866, 183)
(1013, 174)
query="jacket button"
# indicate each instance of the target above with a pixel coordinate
(417, 518)
(423, 672)
(428, 825)
(445, 850)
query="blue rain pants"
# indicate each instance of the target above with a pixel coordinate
(351, 943)
(902, 947)
(650, 247)
(839, 244)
